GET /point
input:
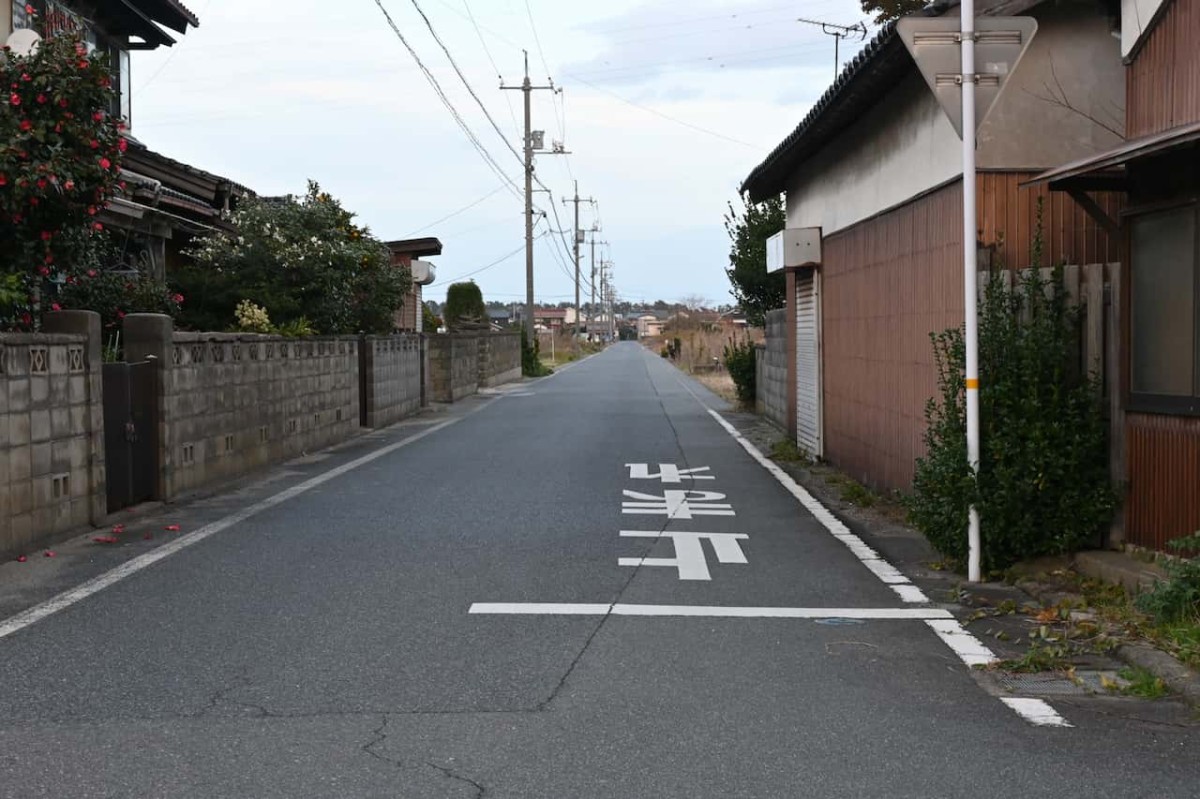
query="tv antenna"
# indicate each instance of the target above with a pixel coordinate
(838, 32)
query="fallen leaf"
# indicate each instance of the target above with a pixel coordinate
(1108, 684)
(1047, 615)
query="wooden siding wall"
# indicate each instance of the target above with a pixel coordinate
(1008, 221)
(1163, 82)
(1163, 499)
(890, 281)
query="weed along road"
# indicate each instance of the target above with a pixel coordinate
(589, 585)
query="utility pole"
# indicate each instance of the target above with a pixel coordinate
(533, 144)
(592, 301)
(578, 239)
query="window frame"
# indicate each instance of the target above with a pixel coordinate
(1148, 402)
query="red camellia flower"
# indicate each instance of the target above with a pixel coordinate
(58, 128)
(120, 314)
(98, 226)
(3, 180)
(43, 271)
(33, 200)
(62, 103)
(95, 145)
(69, 185)
(177, 299)
(105, 163)
(25, 77)
(42, 183)
(54, 306)
(47, 235)
(29, 9)
(91, 210)
(14, 99)
(122, 145)
(26, 125)
(83, 64)
(21, 558)
(91, 273)
(98, 116)
(41, 98)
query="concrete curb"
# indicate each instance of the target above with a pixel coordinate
(1178, 677)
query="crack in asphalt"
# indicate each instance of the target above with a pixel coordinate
(480, 790)
(545, 703)
(380, 734)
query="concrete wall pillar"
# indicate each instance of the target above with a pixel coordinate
(88, 324)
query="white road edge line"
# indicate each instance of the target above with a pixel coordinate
(969, 649)
(1036, 711)
(885, 571)
(131, 567)
(706, 611)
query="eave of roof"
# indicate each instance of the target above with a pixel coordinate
(178, 175)
(417, 248)
(866, 79)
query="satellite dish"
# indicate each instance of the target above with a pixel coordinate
(23, 42)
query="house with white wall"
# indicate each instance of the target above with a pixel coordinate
(874, 168)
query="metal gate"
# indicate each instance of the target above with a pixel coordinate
(130, 432)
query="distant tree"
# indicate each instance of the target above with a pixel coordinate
(756, 291)
(694, 301)
(888, 10)
(660, 305)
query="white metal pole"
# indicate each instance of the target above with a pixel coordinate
(970, 297)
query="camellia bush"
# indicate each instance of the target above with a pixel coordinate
(303, 262)
(60, 155)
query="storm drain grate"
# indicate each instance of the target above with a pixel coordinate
(1055, 684)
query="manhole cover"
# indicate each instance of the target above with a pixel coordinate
(1055, 684)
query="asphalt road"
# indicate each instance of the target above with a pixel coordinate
(324, 646)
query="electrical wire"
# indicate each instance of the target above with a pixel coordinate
(487, 51)
(496, 262)
(433, 82)
(459, 211)
(470, 89)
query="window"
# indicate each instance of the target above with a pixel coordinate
(1165, 314)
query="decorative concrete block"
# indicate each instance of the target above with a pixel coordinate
(39, 425)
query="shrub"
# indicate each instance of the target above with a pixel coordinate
(740, 361)
(114, 294)
(1043, 485)
(60, 155)
(297, 259)
(531, 361)
(1178, 597)
(465, 309)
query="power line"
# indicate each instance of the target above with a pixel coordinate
(665, 116)
(433, 82)
(511, 111)
(496, 262)
(491, 193)
(560, 124)
(466, 83)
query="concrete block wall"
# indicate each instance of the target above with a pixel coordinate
(51, 431)
(772, 370)
(499, 359)
(390, 371)
(453, 366)
(231, 403)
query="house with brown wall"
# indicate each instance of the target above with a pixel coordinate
(874, 169)
(407, 253)
(1156, 171)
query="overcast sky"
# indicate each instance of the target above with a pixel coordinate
(666, 107)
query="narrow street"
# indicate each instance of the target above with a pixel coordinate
(582, 586)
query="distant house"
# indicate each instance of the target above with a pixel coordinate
(874, 172)
(648, 325)
(1157, 170)
(407, 253)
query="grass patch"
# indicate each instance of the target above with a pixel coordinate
(1143, 683)
(785, 450)
(858, 494)
(1041, 656)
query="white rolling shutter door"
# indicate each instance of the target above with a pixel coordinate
(808, 363)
